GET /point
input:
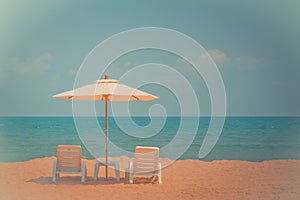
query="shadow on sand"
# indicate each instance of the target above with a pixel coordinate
(75, 180)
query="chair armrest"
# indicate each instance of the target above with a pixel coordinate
(159, 165)
(130, 166)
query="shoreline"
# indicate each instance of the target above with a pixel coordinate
(184, 179)
(189, 159)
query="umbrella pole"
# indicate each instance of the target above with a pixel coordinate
(106, 139)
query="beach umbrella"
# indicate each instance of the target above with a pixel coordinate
(106, 90)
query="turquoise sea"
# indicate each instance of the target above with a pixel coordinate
(243, 138)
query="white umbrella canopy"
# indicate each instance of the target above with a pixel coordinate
(107, 90)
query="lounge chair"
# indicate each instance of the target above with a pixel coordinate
(145, 163)
(69, 161)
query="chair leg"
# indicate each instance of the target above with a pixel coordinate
(117, 171)
(126, 175)
(130, 172)
(159, 173)
(96, 171)
(54, 171)
(83, 171)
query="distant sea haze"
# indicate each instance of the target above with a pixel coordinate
(243, 138)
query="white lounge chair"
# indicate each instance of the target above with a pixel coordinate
(69, 161)
(145, 163)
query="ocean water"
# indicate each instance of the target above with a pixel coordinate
(242, 138)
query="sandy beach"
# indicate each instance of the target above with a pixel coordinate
(184, 179)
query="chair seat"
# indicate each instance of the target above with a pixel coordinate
(68, 172)
(110, 163)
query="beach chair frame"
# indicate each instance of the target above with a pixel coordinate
(145, 163)
(69, 161)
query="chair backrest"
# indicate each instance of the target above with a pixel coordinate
(69, 157)
(145, 159)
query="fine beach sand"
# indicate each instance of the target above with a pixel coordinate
(184, 179)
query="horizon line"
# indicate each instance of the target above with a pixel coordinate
(150, 116)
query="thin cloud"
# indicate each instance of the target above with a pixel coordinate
(73, 71)
(31, 67)
(127, 64)
(219, 57)
(250, 62)
(56, 77)
(242, 63)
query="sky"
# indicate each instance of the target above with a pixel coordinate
(255, 44)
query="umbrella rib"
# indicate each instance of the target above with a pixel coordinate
(135, 97)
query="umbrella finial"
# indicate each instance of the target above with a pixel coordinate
(105, 76)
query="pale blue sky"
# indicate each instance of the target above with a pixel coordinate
(256, 46)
